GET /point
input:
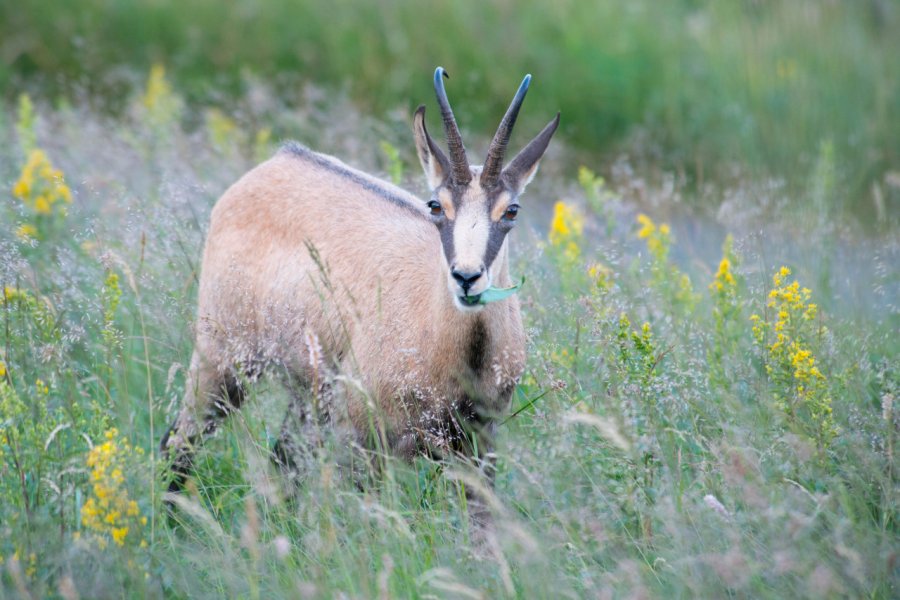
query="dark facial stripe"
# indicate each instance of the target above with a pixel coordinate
(370, 185)
(446, 231)
(495, 242)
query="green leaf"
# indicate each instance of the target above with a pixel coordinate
(493, 294)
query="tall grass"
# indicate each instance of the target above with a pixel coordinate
(718, 85)
(661, 444)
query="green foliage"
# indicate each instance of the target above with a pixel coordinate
(395, 163)
(717, 83)
(110, 295)
(598, 196)
(25, 125)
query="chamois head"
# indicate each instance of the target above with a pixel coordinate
(475, 207)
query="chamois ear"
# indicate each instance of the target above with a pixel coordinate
(434, 161)
(523, 167)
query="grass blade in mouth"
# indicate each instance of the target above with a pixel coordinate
(493, 294)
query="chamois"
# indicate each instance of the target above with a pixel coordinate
(317, 269)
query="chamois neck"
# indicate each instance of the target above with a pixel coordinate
(467, 334)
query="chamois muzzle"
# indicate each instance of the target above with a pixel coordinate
(466, 279)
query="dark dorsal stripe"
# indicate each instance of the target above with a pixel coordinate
(369, 184)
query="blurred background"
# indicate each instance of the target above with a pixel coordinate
(708, 91)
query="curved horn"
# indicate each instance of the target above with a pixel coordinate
(459, 162)
(493, 164)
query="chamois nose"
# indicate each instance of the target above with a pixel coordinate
(466, 279)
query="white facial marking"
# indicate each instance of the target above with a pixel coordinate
(470, 237)
(471, 230)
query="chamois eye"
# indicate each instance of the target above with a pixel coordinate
(512, 211)
(435, 207)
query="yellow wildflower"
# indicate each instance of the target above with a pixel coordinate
(118, 535)
(658, 238)
(158, 87)
(160, 102)
(2, 369)
(41, 187)
(667, 277)
(22, 188)
(566, 229)
(601, 275)
(566, 222)
(64, 192)
(42, 205)
(108, 511)
(26, 231)
(647, 226)
(724, 279)
(800, 386)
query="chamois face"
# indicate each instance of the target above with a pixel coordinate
(473, 223)
(475, 207)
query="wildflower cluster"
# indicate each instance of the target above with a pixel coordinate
(42, 189)
(109, 511)
(659, 239)
(730, 328)
(786, 335)
(110, 295)
(665, 275)
(637, 350)
(161, 105)
(724, 284)
(566, 230)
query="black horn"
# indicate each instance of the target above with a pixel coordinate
(493, 164)
(459, 163)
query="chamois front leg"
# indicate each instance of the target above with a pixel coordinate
(297, 439)
(209, 397)
(474, 432)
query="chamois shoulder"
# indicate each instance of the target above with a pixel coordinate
(348, 175)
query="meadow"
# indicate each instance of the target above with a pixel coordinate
(708, 407)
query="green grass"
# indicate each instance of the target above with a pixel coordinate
(665, 461)
(717, 85)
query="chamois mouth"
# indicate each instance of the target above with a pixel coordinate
(470, 300)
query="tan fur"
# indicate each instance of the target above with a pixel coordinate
(500, 205)
(446, 201)
(341, 283)
(380, 308)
